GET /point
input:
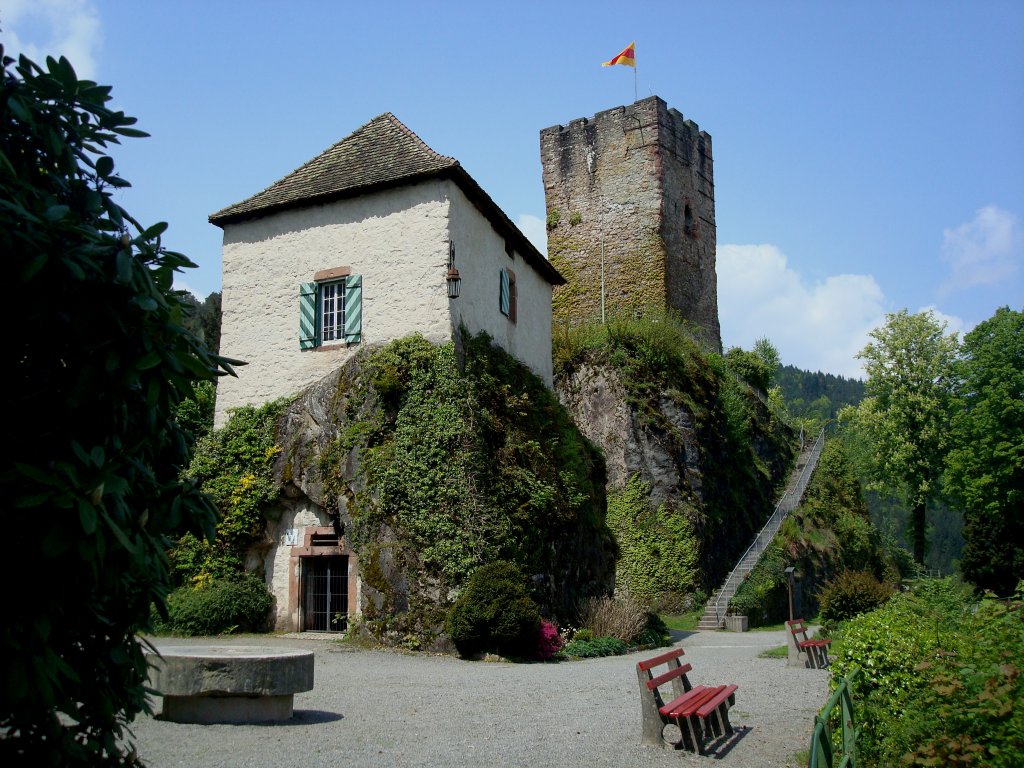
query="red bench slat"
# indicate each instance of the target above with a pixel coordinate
(681, 701)
(691, 705)
(710, 706)
(665, 677)
(647, 664)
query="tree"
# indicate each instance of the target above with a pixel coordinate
(97, 358)
(985, 469)
(903, 422)
(768, 353)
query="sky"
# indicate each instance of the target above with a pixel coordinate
(869, 156)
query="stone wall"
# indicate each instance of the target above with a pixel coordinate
(632, 188)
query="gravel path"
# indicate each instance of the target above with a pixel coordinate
(379, 708)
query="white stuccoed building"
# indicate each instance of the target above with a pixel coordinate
(360, 246)
(355, 247)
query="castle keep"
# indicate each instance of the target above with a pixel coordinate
(632, 189)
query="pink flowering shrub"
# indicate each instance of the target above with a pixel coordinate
(549, 642)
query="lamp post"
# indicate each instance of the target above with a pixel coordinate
(789, 584)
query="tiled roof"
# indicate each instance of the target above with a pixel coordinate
(381, 153)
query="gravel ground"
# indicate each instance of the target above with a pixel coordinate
(379, 708)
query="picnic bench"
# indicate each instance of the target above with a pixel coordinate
(700, 712)
(805, 650)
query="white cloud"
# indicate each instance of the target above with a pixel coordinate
(819, 327)
(983, 251)
(536, 231)
(41, 28)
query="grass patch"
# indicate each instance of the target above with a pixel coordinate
(684, 622)
(781, 652)
(800, 759)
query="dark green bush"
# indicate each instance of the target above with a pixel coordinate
(238, 604)
(940, 681)
(494, 613)
(850, 594)
(655, 633)
(598, 646)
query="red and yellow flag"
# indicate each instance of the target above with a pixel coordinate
(626, 58)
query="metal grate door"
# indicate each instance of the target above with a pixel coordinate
(325, 594)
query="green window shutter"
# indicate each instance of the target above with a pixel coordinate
(503, 294)
(307, 315)
(353, 308)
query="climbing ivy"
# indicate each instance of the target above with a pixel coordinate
(467, 458)
(233, 465)
(658, 551)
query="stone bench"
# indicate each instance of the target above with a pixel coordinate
(228, 683)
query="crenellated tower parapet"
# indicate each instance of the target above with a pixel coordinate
(632, 189)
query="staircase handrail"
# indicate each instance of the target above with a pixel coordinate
(781, 509)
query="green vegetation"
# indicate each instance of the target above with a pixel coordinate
(98, 363)
(985, 467)
(751, 367)
(234, 466)
(658, 550)
(494, 613)
(503, 476)
(688, 621)
(903, 424)
(779, 652)
(236, 603)
(664, 369)
(850, 594)
(828, 535)
(613, 626)
(592, 647)
(943, 430)
(941, 679)
(815, 399)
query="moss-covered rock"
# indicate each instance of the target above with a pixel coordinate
(435, 459)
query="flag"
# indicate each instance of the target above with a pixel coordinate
(627, 57)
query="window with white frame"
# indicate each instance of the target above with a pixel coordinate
(332, 312)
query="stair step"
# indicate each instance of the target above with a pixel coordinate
(808, 457)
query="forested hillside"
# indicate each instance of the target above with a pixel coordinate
(816, 395)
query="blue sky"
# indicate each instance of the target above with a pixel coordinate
(869, 156)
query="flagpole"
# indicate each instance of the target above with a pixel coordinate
(634, 73)
(602, 281)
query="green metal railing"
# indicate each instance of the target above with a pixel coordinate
(826, 752)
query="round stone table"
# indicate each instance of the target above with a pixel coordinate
(228, 683)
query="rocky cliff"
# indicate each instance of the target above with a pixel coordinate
(675, 421)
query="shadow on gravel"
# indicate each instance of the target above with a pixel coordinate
(679, 634)
(723, 745)
(306, 717)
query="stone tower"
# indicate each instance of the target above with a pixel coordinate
(632, 188)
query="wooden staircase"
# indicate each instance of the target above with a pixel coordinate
(714, 611)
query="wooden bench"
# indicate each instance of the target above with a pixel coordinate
(701, 712)
(814, 651)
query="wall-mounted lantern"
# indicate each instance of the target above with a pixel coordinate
(454, 281)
